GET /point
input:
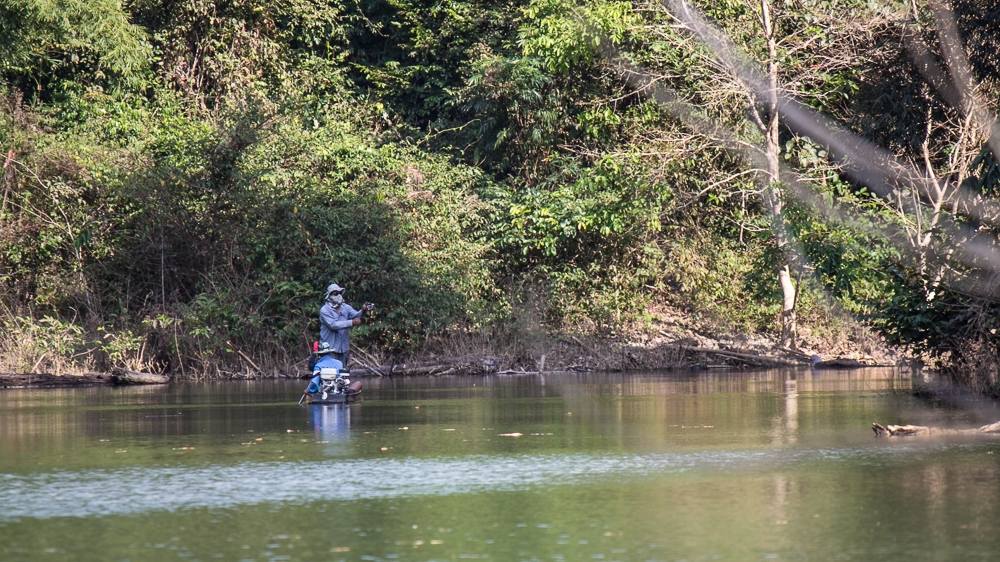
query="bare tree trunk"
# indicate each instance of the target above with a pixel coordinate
(772, 193)
(8, 178)
(925, 207)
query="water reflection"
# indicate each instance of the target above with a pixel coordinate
(575, 467)
(785, 425)
(639, 384)
(332, 426)
(636, 411)
(137, 490)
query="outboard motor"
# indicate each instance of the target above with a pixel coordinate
(338, 382)
(334, 381)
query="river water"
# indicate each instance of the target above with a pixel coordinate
(777, 465)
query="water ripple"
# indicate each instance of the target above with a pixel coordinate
(138, 490)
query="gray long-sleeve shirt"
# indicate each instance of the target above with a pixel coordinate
(335, 326)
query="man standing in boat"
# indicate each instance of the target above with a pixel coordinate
(336, 318)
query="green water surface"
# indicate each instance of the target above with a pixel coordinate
(704, 466)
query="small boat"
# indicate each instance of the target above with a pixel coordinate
(335, 388)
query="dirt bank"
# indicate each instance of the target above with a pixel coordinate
(671, 343)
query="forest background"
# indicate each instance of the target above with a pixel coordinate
(181, 179)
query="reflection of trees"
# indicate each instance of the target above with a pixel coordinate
(785, 425)
(69, 428)
(627, 411)
(718, 407)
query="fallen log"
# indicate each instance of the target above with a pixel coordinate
(838, 363)
(923, 430)
(461, 366)
(121, 376)
(746, 358)
(456, 366)
(47, 380)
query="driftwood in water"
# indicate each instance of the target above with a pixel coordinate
(455, 366)
(919, 430)
(124, 376)
(744, 358)
(46, 380)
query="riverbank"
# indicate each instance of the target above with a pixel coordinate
(49, 380)
(671, 346)
(672, 342)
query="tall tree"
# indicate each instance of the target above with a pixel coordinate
(773, 200)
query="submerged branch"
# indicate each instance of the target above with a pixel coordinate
(923, 430)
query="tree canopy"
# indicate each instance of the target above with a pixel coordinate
(182, 179)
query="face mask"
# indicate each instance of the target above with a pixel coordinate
(336, 300)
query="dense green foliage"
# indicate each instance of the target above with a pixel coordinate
(182, 179)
